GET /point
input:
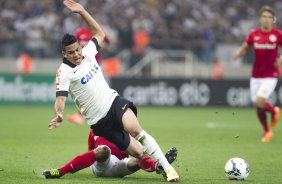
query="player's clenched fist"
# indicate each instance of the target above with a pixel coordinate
(55, 122)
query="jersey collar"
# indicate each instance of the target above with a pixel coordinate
(67, 62)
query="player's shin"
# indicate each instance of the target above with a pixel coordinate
(268, 107)
(152, 148)
(80, 162)
(263, 119)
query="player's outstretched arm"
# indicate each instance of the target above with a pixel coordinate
(241, 52)
(59, 108)
(93, 26)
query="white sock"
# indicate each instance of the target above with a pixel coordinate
(152, 148)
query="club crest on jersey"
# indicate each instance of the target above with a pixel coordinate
(272, 38)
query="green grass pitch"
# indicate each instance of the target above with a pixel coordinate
(205, 137)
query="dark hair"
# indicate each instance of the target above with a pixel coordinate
(267, 9)
(68, 39)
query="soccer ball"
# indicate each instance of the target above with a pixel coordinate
(236, 169)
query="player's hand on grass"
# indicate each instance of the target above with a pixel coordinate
(73, 6)
(55, 122)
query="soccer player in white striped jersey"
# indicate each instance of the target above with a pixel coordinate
(106, 112)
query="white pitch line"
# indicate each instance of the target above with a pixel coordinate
(211, 125)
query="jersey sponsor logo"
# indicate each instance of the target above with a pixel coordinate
(89, 75)
(87, 78)
(267, 46)
(272, 38)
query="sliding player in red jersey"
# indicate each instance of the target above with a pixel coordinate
(106, 160)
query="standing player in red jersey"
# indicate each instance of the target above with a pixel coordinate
(83, 36)
(106, 160)
(265, 41)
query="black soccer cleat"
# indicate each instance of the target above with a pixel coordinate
(170, 155)
(52, 174)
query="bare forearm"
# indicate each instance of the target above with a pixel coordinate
(241, 52)
(59, 105)
(93, 26)
(59, 109)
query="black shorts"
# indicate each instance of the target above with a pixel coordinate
(111, 127)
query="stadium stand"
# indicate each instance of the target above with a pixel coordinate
(207, 28)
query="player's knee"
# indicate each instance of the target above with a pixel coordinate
(102, 153)
(260, 102)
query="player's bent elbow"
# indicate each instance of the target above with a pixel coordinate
(100, 37)
(102, 153)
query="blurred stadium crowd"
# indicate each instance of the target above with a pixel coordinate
(199, 26)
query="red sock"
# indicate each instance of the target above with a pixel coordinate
(80, 162)
(91, 141)
(148, 164)
(262, 117)
(268, 107)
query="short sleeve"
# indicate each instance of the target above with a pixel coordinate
(62, 84)
(280, 38)
(249, 39)
(92, 48)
